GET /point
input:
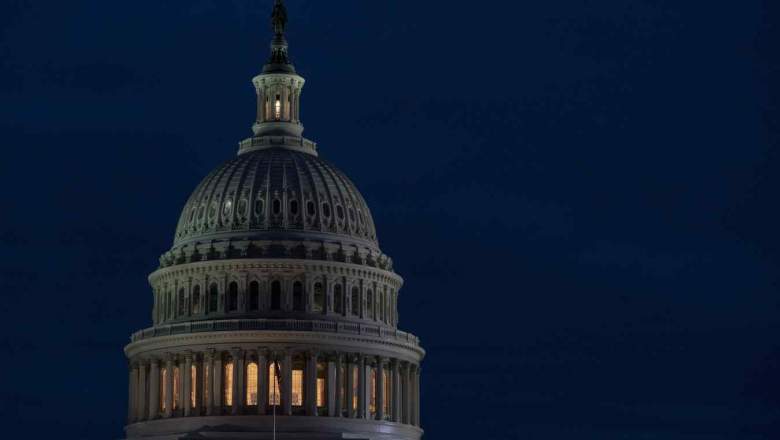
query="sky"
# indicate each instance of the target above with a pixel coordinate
(580, 195)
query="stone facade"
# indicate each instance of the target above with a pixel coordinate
(275, 311)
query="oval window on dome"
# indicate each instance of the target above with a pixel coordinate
(326, 209)
(259, 207)
(242, 206)
(213, 211)
(277, 206)
(340, 212)
(360, 217)
(201, 212)
(352, 214)
(227, 207)
(310, 211)
(294, 207)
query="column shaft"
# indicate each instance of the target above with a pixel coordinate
(339, 382)
(142, 397)
(362, 388)
(154, 389)
(132, 386)
(169, 387)
(331, 386)
(187, 388)
(218, 389)
(238, 382)
(311, 384)
(286, 384)
(208, 385)
(380, 389)
(395, 377)
(349, 390)
(262, 382)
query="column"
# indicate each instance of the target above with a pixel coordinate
(395, 401)
(208, 385)
(154, 389)
(217, 390)
(310, 394)
(331, 387)
(187, 388)
(361, 365)
(141, 396)
(168, 386)
(348, 394)
(380, 388)
(132, 386)
(262, 381)
(339, 385)
(417, 396)
(198, 385)
(238, 381)
(405, 393)
(286, 384)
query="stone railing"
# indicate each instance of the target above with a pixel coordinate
(277, 325)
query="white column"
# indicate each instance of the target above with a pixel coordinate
(238, 381)
(286, 384)
(339, 385)
(187, 388)
(348, 394)
(417, 396)
(395, 377)
(208, 385)
(132, 386)
(331, 387)
(362, 387)
(141, 396)
(217, 391)
(262, 381)
(406, 393)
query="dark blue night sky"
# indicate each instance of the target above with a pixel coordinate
(581, 195)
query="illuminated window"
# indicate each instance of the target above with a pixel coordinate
(229, 384)
(354, 388)
(278, 108)
(232, 298)
(338, 300)
(298, 296)
(322, 381)
(193, 387)
(251, 384)
(319, 297)
(387, 384)
(355, 301)
(274, 391)
(176, 391)
(163, 387)
(343, 390)
(213, 298)
(297, 388)
(372, 392)
(206, 390)
(254, 296)
(276, 295)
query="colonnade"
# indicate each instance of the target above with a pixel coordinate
(261, 381)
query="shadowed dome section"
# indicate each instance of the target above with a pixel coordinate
(276, 194)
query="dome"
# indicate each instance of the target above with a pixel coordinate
(276, 194)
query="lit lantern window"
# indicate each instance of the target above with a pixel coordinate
(297, 388)
(229, 384)
(278, 108)
(251, 384)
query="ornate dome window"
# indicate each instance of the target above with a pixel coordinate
(310, 209)
(340, 212)
(213, 210)
(241, 209)
(277, 207)
(294, 207)
(260, 207)
(326, 209)
(227, 208)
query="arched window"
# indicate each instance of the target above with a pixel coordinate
(251, 384)
(338, 300)
(276, 295)
(181, 302)
(193, 388)
(213, 298)
(254, 296)
(196, 300)
(370, 304)
(297, 387)
(298, 297)
(228, 382)
(355, 301)
(232, 297)
(319, 298)
(274, 390)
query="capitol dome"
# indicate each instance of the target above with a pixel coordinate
(274, 311)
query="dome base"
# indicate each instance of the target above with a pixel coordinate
(261, 427)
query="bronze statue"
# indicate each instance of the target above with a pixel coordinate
(279, 17)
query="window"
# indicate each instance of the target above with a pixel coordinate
(181, 302)
(251, 384)
(298, 297)
(355, 301)
(354, 388)
(259, 207)
(227, 208)
(340, 212)
(387, 386)
(196, 300)
(338, 301)
(322, 381)
(294, 207)
(206, 391)
(370, 304)
(319, 297)
(228, 383)
(213, 298)
(274, 390)
(372, 391)
(176, 390)
(310, 208)
(297, 388)
(254, 296)
(232, 304)
(278, 108)
(277, 207)
(276, 295)
(193, 388)
(326, 209)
